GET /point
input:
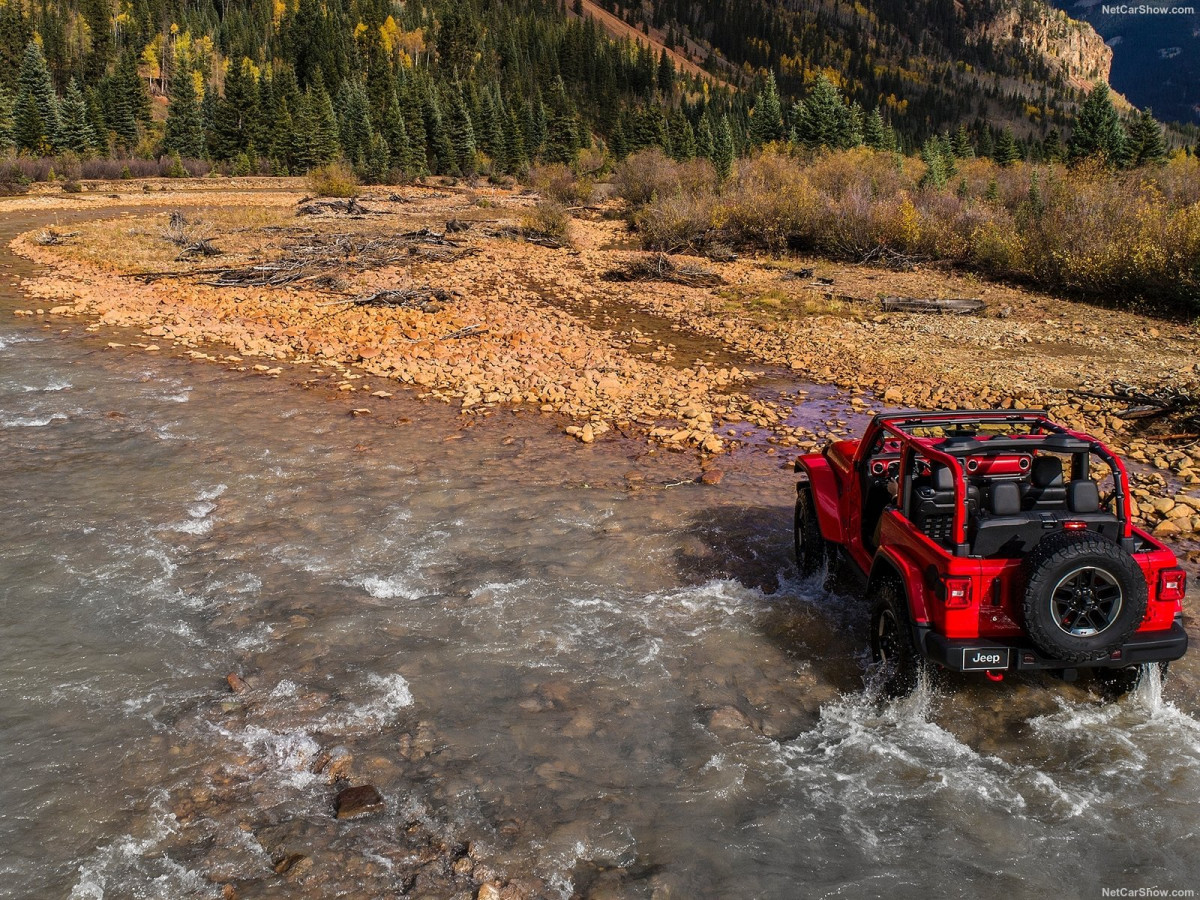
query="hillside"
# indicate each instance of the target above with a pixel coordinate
(462, 88)
(1156, 58)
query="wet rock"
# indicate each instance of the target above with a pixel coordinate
(358, 801)
(711, 476)
(729, 719)
(236, 683)
(293, 866)
(488, 891)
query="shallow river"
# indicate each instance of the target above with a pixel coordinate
(553, 656)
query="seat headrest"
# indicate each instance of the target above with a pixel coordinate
(1047, 471)
(1006, 499)
(1083, 496)
(943, 478)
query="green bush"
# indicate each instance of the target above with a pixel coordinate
(336, 179)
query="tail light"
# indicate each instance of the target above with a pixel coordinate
(956, 592)
(1172, 584)
(1074, 526)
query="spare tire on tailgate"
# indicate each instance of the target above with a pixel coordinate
(1084, 598)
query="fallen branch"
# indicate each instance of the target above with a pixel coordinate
(959, 306)
(529, 236)
(350, 207)
(659, 267)
(409, 298)
(50, 237)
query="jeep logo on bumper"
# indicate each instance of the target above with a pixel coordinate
(983, 658)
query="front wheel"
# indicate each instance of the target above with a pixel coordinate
(812, 551)
(891, 641)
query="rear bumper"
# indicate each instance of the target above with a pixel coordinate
(1154, 646)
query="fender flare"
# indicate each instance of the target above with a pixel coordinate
(889, 563)
(825, 493)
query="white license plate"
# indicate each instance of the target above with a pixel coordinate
(983, 658)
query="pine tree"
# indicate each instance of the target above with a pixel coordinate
(36, 124)
(6, 119)
(961, 144)
(235, 113)
(515, 155)
(462, 133)
(704, 139)
(766, 117)
(1146, 143)
(666, 75)
(76, 133)
(184, 127)
(681, 136)
(873, 134)
(935, 164)
(1006, 148)
(395, 135)
(824, 120)
(723, 149)
(1098, 130)
(1052, 148)
(354, 122)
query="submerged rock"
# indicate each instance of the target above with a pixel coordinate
(361, 800)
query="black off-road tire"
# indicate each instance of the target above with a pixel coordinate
(1084, 596)
(1114, 683)
(813, 552)
(892, 645)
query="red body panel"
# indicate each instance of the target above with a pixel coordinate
(994, 609)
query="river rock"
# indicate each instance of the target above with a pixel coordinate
(358, 801)
(236, 683)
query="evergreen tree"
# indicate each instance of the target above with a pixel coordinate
(235, 114)
(515, 155)
(961, 144)
(704, 139)
(824, 119)
(1147, 146)
(666, 75)
(1098, 130)
(443, 158)
(766, 117)
(723, 150)
(1006, 152)
(395, 135)
(36, 118)
(461, 132)
(873, 131)
(184, 132)
(76, 133)
(1052, 147)
(354, 122)
(6, 119)
(681, 136)
(935, 164)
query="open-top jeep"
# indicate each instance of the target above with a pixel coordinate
(992, 542)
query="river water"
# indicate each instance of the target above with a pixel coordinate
(594, 679)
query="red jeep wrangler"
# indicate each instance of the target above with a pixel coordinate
(992, 542)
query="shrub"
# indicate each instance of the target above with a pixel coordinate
(12, 179)
(769, 202)
(649, 174)
(677, 222)
(336, 179)
(548, 218)
(558, 183)
(72, 187)
(175, 167)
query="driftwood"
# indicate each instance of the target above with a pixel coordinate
(424, 298)
(893, 259)
(202, 247)
(349, 207)
(1175, 405)
(959, 306)
(798, 274)
(529, 236)
(454, 226)
(659, 267)
(319, 261)
(50, 237)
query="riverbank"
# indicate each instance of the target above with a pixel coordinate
(486, 318)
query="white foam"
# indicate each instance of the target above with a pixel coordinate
(394, 694)
(395, 587)
(52, 387)
(32, 421)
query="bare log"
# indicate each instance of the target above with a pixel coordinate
(959, 306)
